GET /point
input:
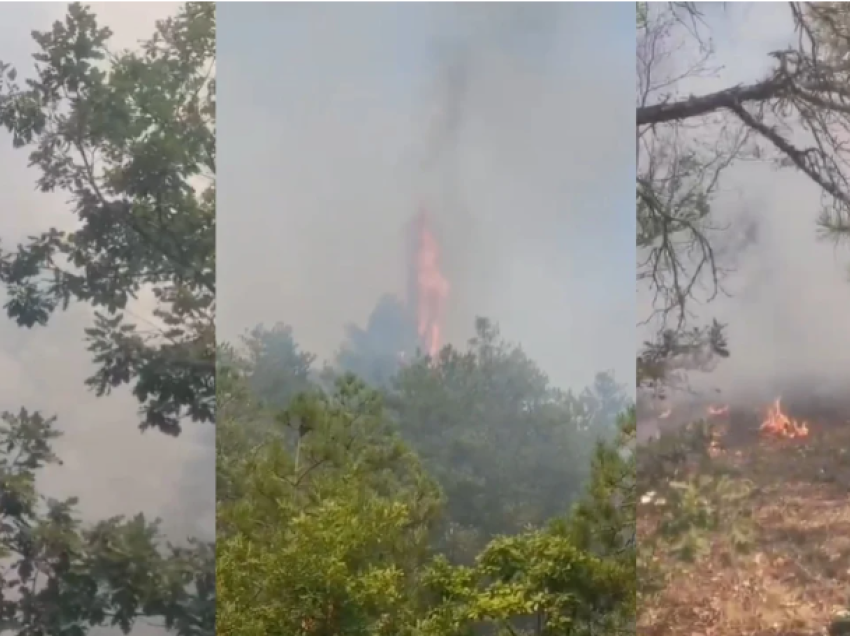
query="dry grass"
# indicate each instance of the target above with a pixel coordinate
(795, 576)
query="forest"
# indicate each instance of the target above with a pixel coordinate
(457, 495)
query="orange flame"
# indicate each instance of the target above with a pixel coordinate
(778, 424)
(432, 287)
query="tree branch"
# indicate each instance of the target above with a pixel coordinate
(703, 105)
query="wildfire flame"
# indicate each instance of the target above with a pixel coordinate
(778, 424)
(432, 287)
(718, 411)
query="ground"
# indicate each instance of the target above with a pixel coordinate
(792, 576)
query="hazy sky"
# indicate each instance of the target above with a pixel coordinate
(108, 463)
(325, 115)
(790, 292)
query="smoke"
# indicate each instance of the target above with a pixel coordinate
(107, 462)
(787, 296)
(471, 45)
(507, 123)
(788, 292)
(377, 352)
(466, 115)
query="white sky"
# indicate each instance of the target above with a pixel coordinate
(109, 464)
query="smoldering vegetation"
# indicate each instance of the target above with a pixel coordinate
(743, 214)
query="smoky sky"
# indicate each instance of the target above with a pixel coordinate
(108, 463)
(512, 123)
(788, 296)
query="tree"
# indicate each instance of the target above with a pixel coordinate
(325, 527)
(602, 405)
(795, 117)
(603, 521)
(322, 527)
(507, 448)
(576, 576)
(67, 577)
(328, 523)
(130, 137)
(277, 369)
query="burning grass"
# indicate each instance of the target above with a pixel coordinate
(744, 526)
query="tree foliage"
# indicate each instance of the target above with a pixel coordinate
(66, 577)
(130, 138)
(333, 513)
(508, 448)
(795, 117)
(278, 369)
(575, 576)
(322, 526)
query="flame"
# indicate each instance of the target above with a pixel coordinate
(718, 411)
(778, 424)
(432, 287)
(711, 411)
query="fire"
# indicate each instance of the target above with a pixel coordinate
(432, 287)
(778, 424)
(718, 411)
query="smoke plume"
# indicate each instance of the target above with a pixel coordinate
(507, 123)
(787, 292)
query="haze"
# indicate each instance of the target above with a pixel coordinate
(108, 463)
(510, 122)
(789, 294)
